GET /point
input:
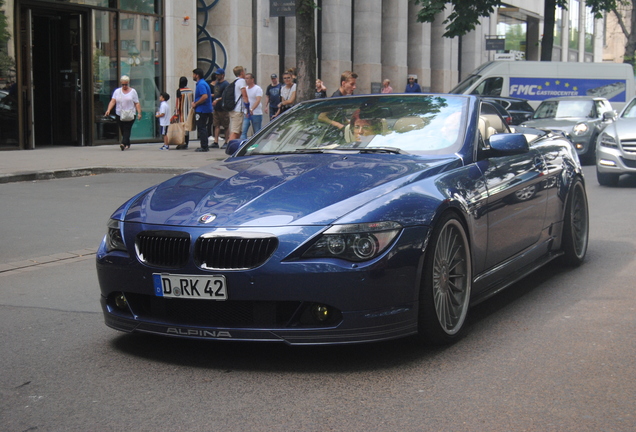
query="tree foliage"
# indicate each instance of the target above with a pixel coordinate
(466, 14)
(4, 33)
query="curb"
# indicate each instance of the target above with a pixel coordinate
(83, 172)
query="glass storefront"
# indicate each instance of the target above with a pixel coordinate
(112, 38)
(137, 53)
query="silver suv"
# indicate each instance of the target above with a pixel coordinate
(616, 147)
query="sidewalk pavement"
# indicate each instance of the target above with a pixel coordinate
(48, 162)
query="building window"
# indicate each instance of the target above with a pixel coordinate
(128, 24)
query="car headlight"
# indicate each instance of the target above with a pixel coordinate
(355, 242)
(607, 140)
(114, 237)
(580, 129)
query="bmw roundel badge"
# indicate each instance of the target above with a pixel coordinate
(207, 218)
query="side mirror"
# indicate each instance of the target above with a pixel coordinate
(233, 146)
(508, 144)
(609, 116)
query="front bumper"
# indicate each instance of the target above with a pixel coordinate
(613, 161)
(370, 301)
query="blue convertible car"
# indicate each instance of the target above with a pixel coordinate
(346, 220)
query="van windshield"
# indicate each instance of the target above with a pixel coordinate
(465, 85)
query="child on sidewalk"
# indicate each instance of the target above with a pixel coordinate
(164, 118)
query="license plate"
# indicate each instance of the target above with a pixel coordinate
(190, 286)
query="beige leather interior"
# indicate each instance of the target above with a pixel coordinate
(407, 124)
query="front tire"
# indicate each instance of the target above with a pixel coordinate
(576, 225)
(446, 283)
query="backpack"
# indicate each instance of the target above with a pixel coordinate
(228, 103)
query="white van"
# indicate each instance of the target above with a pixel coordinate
(536, 81)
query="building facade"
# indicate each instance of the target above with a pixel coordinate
(64, 57)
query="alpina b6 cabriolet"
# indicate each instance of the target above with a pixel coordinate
(346, 220)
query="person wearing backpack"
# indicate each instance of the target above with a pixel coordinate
(241, 101)
(221, 117)
(202, 107)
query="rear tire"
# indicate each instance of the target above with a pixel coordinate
(446, 283)
(607, 179)
(576, 225)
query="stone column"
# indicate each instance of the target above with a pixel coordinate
(581, 56)
(231, 23)
(336, 42)
(266, 45)
(181, 49)
(290, 43)
(565, 35)
(473, 47)
(367, 42)
(395, 23)
(444, 53)
(418, 57)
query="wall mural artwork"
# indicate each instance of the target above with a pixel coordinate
(211, 53)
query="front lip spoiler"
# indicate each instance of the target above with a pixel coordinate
(309, 336)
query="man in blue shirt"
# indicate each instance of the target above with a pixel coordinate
(412, 86)
(202, 107)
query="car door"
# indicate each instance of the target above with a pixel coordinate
(517, 204)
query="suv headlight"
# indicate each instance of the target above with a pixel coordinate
(580, 129)
(607, 140)
(114, 237)
(355, 242)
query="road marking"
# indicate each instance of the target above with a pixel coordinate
(47, 259)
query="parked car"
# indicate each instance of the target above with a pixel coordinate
(616, 147)
(580, 118)
(346, 220)
(519, 109)
(496, 109)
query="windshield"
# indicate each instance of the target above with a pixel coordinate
(565, 109)
(465, 85)
(419, 124)
(630, 110)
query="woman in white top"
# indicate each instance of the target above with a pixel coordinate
(287, 94)
(126, 103)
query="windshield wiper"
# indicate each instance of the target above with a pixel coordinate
(393, 150)
(309, 150)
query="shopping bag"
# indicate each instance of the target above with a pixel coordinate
(176, 134)
(190, 123)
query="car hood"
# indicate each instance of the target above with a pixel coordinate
(277, 190)
(556, 124)
(624, 128)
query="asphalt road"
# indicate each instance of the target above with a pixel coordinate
(554, 352)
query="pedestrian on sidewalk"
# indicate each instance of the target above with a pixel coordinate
(321, 90)
(240, 96)
(164, 118)
(202, 107)
(287, 94)
(347, 84)
(126, 103)
(386, 86)
(254, 113)
(412, 86)
(185, 96)
(221, 117)
(272, 96)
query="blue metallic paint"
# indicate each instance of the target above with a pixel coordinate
(296, 197)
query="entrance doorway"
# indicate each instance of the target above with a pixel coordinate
(53, 44)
